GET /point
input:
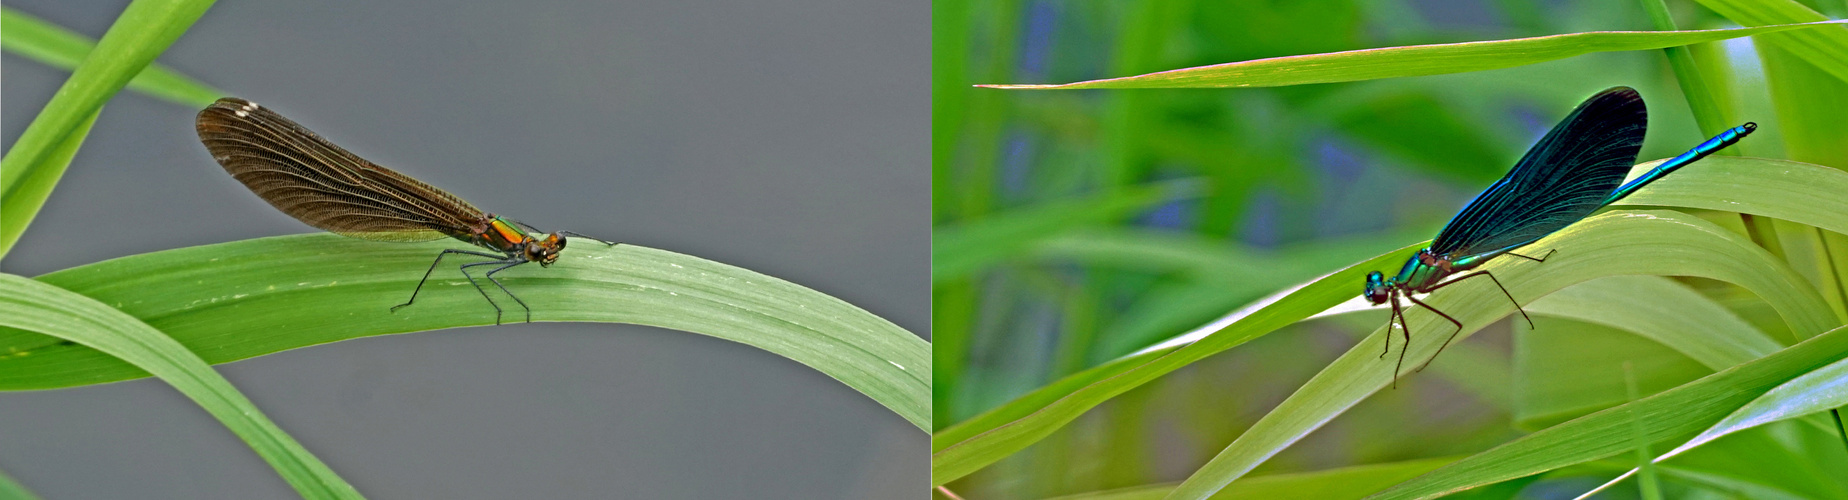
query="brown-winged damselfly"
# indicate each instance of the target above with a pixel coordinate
(327, 187)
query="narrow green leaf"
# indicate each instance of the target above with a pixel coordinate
(963, 248)
(139, 35)
(1219, 276)
(30, 305)
(1415, 60)
(1331, 484)
(1614, 243)
(1812, 392)
(1545, 395)
(1665, 311)
(10, 489)
(29, 194)
(57, 47)
(1667, 414)
(1826, 48)
(231, 301)
(1794, 191)
(1810, 105)
(1702, 100)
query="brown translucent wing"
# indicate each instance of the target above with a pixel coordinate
(321, 184)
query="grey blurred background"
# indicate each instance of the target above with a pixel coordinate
(788, 137)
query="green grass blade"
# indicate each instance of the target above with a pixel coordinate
(1794, 191)
(10, 489)
(29, 193)
(139, 35)
(1665, 311)
(41, 41)
(1220, 276)
(1417, 60)
(1614, 243)
(961, 249)
(236, 300)
(1331, 484)
(30, 305)
(1678, 411)
(1810, 104)
(1826, 48)
(1701, 99)
(1812, 392)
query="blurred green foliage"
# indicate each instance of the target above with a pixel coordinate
(1286, 184)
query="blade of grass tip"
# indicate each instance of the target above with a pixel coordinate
(10, 489)
(140, 34)
(18, 210)
(48, 43)
(38, 307)
(1415, 60)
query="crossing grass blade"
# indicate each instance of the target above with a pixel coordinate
(1332, 484)
(237, 300)
(1417, 60)
(1825, 48)
(29, 170)
(1809, 393)
(964, 248)
(1664, 311)
(52, 311)
(1679, 411)
(38, 40)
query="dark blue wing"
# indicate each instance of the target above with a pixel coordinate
(1563, 178)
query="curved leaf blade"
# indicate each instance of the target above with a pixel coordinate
(1820, 390)
(1414, 60)
(1667, 414)
(236, 300)
(1665, 311)
(1329, 484)
(36, 306)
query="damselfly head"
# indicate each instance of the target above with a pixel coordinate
(1377, 292)
(545, 251)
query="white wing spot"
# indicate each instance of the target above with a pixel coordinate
(242, 113)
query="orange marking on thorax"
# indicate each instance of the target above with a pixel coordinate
(506, 232)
